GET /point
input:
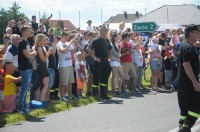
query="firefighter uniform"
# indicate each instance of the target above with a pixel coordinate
(101, 48)
(188, 98)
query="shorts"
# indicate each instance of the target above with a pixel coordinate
(66, 75)
(154, 65)
(80, 85)
(115, 63)
(168, 75)
(129, 70)
(90, 68)
(9, 104)
(1, 95)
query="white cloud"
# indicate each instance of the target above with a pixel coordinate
(89, 9)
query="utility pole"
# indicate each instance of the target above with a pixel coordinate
(79, 19)
(59, 16)
(167, 16)
(145, 14)
(101, 16)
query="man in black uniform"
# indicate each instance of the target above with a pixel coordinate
(102, 52)
(187, 80)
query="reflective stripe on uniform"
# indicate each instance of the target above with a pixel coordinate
(185, 125)
(194, 114)
(94, 86)
(52, 91)
(57, 89)
(102, 84)
(183, 117)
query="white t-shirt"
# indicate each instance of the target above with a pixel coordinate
(64, 59)
(140, 58)
(132, 43)
(80, 65)
(11, 56)
(89, 28)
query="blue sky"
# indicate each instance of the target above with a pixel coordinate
(89, 9)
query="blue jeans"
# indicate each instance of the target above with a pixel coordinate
(26, 80)
(34, 79)
(139, 70)
(51, 77)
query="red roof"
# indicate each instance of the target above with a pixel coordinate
(66, 24)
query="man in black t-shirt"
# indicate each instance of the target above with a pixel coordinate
(25, 57)
(34, 24)
(187, 79)
(102, 52)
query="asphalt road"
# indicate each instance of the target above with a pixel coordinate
(149, 112)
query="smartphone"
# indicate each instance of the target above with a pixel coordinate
(51, 15)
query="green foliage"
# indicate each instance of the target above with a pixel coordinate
(15, 14)
(44, 16)
(60, 25)
(12, 14)
(55, 106)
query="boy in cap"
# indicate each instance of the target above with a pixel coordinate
(168, 69)
(80, 73)
(89, 26)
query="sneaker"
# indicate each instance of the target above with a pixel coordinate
(20, 111)
(27, 110)
(117, 93)
(168, 88)
(88, 94)
(155, 89)
(126, 92)
(136, 90)
(71, 97)
(64, 99)
(140, 88)
(105, 96)
(45, 103)
(184, 129)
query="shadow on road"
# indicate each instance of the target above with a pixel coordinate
(3, 120)
(33, 119)
(111, 101)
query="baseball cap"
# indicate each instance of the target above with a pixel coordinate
(191, 28)
(89, 21)
(168, 52)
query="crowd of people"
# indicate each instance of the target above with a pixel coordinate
(35, 60)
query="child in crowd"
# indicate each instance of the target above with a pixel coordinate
(80, 73)
(168, 69)
(10, 89)
(2, 75)
(155, 51)
(174, 40)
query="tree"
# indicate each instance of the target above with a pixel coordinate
(12, 14)
(44, 16)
